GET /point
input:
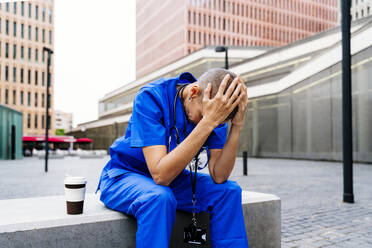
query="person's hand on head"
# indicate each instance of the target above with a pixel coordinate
(239, 116)
(216, 109)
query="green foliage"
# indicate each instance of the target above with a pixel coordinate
(60, 131)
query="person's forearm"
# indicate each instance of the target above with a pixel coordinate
(225, 163)
(174, 162)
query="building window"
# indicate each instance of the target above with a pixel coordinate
(29, 10)
(36, 55)
(29, 77)
(28, 99)
(43, 14)
(35, 121)
(6, 73)
(50, 37)
(22, 52)
(21, 97)
(22, 31)
(6, 50)
(42, 121)
(28, 120)
(36, 12)
(14, 51)
(14, 74)
(42, 100)
(50, 16)
(36, 34)
(22, 8)
(36, 79)
(362, 15)
(7, 27)
(29, 32)
(15, 7)
(29, 54)
(43, 35)
(15, 29)
(35, 99)
(14, 97)
(7, 7)
(6, 96)
(22, 72)
(42, 78)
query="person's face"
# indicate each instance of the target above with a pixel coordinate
(193, 104)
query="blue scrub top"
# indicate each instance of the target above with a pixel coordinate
(150, 124)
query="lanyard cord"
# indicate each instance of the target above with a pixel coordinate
(193, 178)
(174, 115)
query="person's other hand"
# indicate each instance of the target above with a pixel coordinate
(239, 116)
(216, 109)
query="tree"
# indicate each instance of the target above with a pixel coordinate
(60, 131)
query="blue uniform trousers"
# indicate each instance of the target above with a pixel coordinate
(154, 206)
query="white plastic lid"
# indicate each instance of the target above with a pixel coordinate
(75, 180)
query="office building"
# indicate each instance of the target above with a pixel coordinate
(169, 30)
(25, 28)
(62, 120)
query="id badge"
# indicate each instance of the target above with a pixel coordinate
(195, 235)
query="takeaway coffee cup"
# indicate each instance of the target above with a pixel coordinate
(75, 194)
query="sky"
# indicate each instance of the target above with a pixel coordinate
(94, 52)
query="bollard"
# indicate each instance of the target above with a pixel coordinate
(245, 163)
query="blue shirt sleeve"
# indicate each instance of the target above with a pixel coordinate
(217, 138)
(147, 127)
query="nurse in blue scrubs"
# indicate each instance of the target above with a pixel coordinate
(172, 120)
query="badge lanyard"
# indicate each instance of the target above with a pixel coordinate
(196, 158)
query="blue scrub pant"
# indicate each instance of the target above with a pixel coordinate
(154, 206)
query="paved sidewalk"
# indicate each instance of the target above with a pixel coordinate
(313, 214)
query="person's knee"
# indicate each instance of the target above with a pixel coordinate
(232, 189)
(164, 195)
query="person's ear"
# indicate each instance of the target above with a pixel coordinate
(194, 91)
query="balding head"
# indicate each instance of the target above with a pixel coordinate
(215, 77)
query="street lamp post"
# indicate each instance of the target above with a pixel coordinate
(220, 49)
(47, 119)
(347, 105)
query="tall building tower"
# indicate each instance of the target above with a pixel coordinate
(169, 30)
(25, 28)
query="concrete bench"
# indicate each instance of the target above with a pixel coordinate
(89, 156)
(43, 222)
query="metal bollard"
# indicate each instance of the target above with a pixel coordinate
(245, 163)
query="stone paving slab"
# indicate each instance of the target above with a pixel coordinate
(313, 214)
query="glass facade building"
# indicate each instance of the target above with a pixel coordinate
(305, 121)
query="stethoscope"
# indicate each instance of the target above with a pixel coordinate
(202, 157)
